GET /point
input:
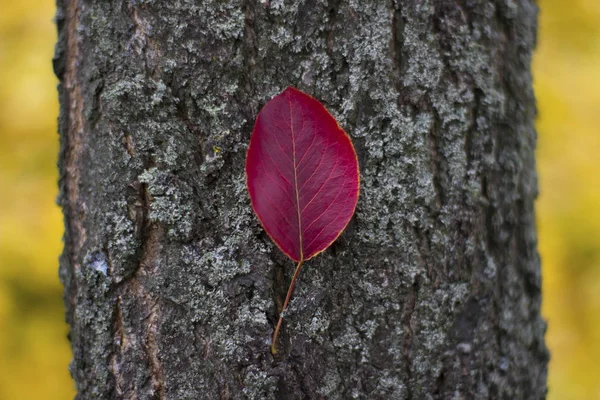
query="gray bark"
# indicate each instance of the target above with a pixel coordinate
(172, 286)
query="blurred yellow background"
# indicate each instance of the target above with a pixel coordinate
(34, 352)
(567, 84)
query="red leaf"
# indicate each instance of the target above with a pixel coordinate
(302, 174)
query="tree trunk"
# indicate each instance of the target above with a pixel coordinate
(172, 287)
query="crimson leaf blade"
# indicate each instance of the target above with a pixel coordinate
(302, 174)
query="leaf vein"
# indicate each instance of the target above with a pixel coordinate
(332, 203)
(277, 183)
(277, 168)
(280, 212)
(279, 145)
(317, 167)
(296, 184)
(306, 152)
(322, 186)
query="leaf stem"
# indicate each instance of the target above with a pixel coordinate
(285, 304)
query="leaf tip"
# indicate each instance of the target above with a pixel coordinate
(289, 90)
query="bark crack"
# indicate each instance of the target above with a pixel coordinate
(409, 309)
(71, 133)
(135, 287)
(147, 265)
(121, 341)
(279, 286)
(141, 41)
(74, 137)
(250, 46)
(436, 159)
(153, 349)
(330, 29)
(398, 43)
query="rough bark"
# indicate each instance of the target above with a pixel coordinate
(171, 285)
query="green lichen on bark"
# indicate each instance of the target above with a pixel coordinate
(434, 289)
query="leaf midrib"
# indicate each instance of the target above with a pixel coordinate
(296, 182)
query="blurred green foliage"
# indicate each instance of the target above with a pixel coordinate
(34, 351)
